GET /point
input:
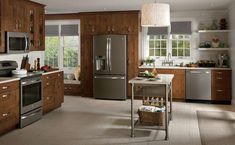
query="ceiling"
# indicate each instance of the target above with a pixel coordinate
(73, 6)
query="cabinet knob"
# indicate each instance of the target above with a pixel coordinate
(219, 90)
(47, 77)
(4, 87)
(48, 98)
(48, 84)
(5, 114)
(4, 96)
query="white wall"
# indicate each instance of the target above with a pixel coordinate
(232, 43)
(18, 57)
(196, 17)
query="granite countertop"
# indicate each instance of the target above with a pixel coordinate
(178, 67)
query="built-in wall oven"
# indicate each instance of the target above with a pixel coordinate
(31, 100)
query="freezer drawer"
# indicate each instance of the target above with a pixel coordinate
(110, 87)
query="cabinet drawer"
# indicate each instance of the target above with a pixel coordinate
(9, 86)
(9, 98)
(220, 94)
(219, 73)
(8, 119)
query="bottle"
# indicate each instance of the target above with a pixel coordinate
(38, 63)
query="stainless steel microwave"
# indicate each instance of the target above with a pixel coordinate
(17, 42)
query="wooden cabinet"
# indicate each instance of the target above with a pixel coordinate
(23, 16)
(36, 26)
(178, 84)
(53, 94)
(221, 85)
(102, 23)
(72, 89)
(9, 106)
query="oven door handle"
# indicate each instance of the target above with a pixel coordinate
(25, 83)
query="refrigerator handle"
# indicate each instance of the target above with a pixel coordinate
(107, 53)
(110, 50)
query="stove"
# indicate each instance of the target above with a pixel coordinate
(30, 92)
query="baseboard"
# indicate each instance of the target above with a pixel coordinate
(233, 103)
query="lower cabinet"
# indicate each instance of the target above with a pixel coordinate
(72, 89)
(53, 91)
(9, 106)
(221, 86)
(178, 84)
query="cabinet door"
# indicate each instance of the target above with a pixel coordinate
(178, 84)
(59, 98)
(90, 24)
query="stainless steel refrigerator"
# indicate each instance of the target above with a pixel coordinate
(110, 67)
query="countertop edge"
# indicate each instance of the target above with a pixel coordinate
(177, 67)
(9, 80)
(51, 72)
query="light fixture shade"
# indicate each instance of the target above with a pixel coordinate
(155, 15)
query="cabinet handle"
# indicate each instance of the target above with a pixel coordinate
(48, 98)
(219, 72)
(58, 75)
(48, 84)
(4, 96)
(47, 77)
(219, 78)
(5, 114)
(4, 87)
(219, 90)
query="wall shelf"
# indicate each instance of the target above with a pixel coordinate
(213, 31)
(217, 49)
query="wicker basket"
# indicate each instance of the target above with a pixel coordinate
(151, 118)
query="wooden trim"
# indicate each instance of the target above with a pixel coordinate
(62, 16)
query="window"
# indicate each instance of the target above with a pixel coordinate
(181, 45)
(157, 45)
(62, 44)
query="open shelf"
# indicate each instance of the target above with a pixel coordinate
(213, 31)
(218, 49)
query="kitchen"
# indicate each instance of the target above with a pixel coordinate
(98, 19)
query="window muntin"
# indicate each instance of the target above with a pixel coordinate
(157, 45)
(181, 45)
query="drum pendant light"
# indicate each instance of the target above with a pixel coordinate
(155, 15)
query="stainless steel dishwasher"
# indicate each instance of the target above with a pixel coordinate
(198, 84)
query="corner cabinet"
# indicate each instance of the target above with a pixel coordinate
(9, 106)
(23, 16)
(221, 83)
(206, 43)
(53, 90)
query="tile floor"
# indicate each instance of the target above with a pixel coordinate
(87, 121)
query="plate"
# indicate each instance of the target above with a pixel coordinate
(139, 78)
(152, 79)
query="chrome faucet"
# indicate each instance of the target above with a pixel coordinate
(168, 60)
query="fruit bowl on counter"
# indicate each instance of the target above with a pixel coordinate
(147, 74)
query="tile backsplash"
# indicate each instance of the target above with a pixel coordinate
(18, 57)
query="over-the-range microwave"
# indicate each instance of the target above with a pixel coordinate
(17, 42)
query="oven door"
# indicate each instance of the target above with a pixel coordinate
(31, 94)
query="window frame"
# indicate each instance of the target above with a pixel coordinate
(61, 45)
(145, 42)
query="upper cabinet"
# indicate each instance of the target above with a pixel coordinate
(36, 27)
(23, 16)
(111, 23)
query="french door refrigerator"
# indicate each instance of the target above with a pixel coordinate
(110, 67)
